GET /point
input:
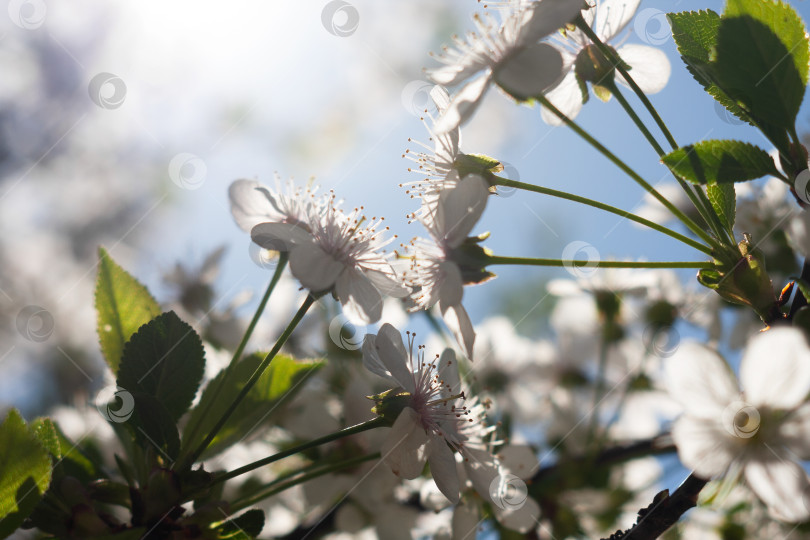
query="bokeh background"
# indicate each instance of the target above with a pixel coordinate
(122, 124)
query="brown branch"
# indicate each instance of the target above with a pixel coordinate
(663, 512)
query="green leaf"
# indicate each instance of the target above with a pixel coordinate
(720, 162)
(762, 59)
(109, 492)
(122, 306)
(804, 288)
(25, 472)
(153, 427)
(165, 360)
(724, 201)
(45, 430)
(246, 527)
(695, 33)
(277, 385)
(74, 460)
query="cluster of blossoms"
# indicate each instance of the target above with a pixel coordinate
(436, 419)
(552, 435)
(329, 250)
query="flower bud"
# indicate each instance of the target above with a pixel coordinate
(745, 283)
(594, 67)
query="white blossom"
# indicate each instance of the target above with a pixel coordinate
(650, 67)
(437, 163)
(760, 431)
(438, 416)
(434, 273)
(337, 251)
(507, 54)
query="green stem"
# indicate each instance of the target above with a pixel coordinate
(599, 387)
(699, 201)
(310, 299)
(527, 261)
(279, 485)
(282, 263)
(614, 89)
(359, 428)
(630, 172)
(611, 54)
(692, 192)
(602, 206)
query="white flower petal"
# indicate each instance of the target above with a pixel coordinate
(463, 105)
(448, 372)
(465, 520)
(563, 287)
(567, 97)
(453, 74)
(704, 446)
(440, 97)
(588, 14)
(405, 447)
(387, 283)
(701, 381)
(547, 17)
(519, 460)
(782, 485)
(775, 369)
(460, 208)
(457, 320)
(362, 302)
(371, 358)
(795, 432)
(280, 236)
(443, 468)
(394, 357)
(451, 288)
(522, 518)
(249, 206)
(314, 268)
(613, 16)
(482, 469)
(530, 71)
(650, 67)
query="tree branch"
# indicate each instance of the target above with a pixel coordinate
(663, 512)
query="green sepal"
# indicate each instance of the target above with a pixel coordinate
(389, 404)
